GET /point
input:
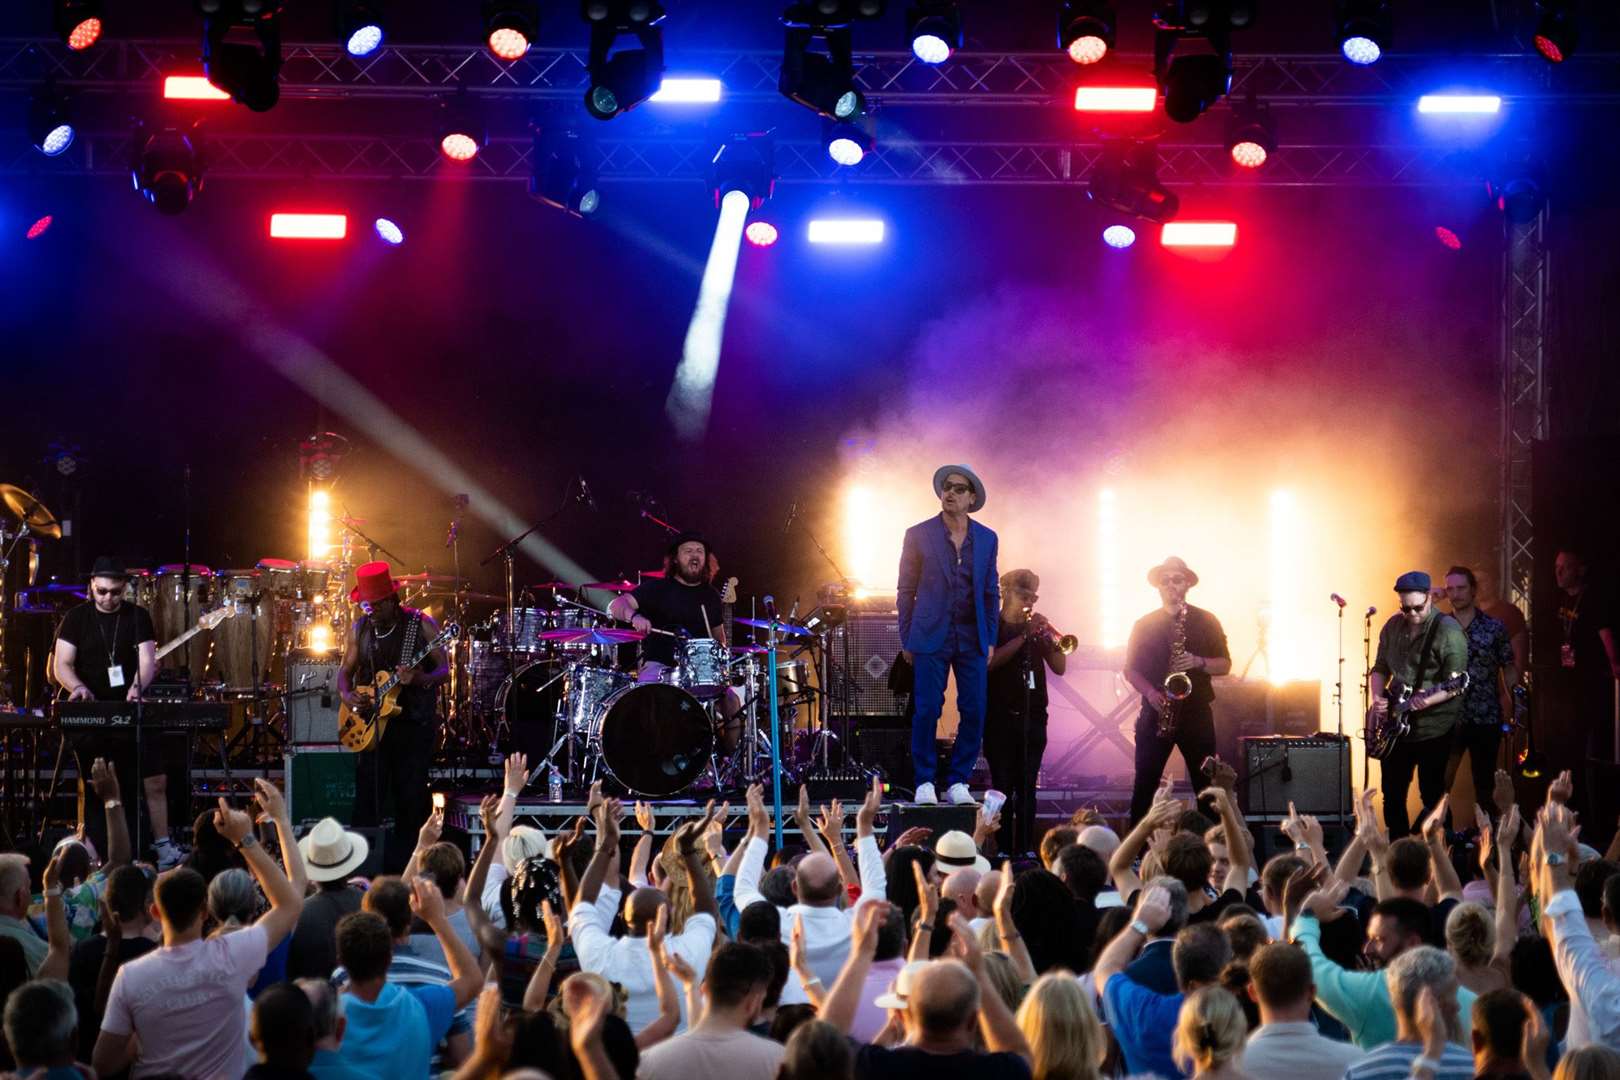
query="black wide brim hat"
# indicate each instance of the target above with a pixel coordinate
(687, 537)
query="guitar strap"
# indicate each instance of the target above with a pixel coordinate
(407, 648)
(1423, 653)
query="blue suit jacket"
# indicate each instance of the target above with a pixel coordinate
(927, 561)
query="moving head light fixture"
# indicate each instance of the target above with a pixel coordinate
(824, 82)
(622, 80)
(251, 76)
(1194, 82)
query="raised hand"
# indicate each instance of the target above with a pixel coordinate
(965, 944)
(1292, 827)
(1301, 884)
(1434, 825)
(927, 895)
(868, 920)
(431, 829)
(759, 819)
(866, 816)
(801, 813)
(831, 824)
(427, 901)
(1002, 906)
(556, 929)
(607, 824)
(1502, 792)
(1313, 831)
(1324, 902)
(516, 772)
(916, 836)
(1220, 773)
(489, 814)
(646, 817)
(660, 928)
(797, 956)
(270, 799)
(104, 780)
(233, 825)
(1153, 909)
(1562, 788)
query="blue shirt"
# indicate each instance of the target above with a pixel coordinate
(964, 608)
(394, 1036)
(725, 898)
(1144, 1023)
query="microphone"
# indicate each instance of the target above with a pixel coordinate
(584, 495)
(1371, 612)
(1337, 599)
(794, 611)
(769, 604)
(793, 512)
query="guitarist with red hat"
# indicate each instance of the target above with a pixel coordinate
(384, 640)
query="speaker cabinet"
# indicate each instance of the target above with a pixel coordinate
(1312, 771)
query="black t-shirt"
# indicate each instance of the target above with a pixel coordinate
(84, 968)
(1148, 653)
(103, 639)
(1580, 618)
(385, 651)
(910, 1063)
(1005, 686)
(670, 605)
(313, 952)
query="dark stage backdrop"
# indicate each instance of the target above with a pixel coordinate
(529, 348)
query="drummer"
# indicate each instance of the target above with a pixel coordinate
(684, 604)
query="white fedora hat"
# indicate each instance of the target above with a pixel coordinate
(332, 852)
(899, 992)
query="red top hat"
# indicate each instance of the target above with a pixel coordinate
(375, 583)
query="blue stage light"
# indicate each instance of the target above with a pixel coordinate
(364, 40)
(1119, 236)
(390, 232)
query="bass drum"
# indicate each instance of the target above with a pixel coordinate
(656, 738)
(529, 701)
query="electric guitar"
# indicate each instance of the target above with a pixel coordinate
(208, 621)
(363, 728)
(1383, 732)
(728, 597)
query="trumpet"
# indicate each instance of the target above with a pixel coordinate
(1048, 635)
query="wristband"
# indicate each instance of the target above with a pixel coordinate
(513, 795)
(112, 804)
(1302, 846)
(1141, 928)
(814, 980)
(53, 891)
(929, 927)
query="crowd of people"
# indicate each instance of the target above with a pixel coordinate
(1482, 949)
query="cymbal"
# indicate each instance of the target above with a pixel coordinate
(781, 627)
(594, 636)
(610, 586)
(47, 598)
(552, 585)
(430, 579)
(749, 650)
(31, 511)
(481, 597)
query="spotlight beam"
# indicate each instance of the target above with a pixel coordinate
(692, 397)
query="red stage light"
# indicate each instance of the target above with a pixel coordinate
(1250, 155)
(1448, 238)
(37, 229)
(508, 44)
(761, 233)
(1088, 49)
(1116, 98)
(309, 226)
(1199, 234)
(85, 34)
(1548, 48)
(192, 88)
(458, 146)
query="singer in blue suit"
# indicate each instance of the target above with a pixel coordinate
(949, 598)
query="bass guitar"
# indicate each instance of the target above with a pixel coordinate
(363, 728)
(208, 621)
(1386, 730)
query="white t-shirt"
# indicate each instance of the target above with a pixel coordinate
(707, 1054)
(186, 1004)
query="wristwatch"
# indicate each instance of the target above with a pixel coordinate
(246, 842)
(1555, 858)
(1141, 928)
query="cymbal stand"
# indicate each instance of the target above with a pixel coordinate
(5, 619)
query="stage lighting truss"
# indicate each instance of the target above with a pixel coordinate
(1363, 29)
(1126, 180)
(50, 121)
(359, 26)
(1086, 29)
(624, 79)
(78, 22)
(934, 30)
(821, 81)
(1557, 31)
(1251, 134)
(250, 75)
(745, 163)
(564, 172)
(510, 27)
(168, 169)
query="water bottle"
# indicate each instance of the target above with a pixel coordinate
(554, 785)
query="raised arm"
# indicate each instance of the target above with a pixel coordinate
(1434, 834)
(686, 842)
(465, 977)
(1237, 846)
(1121, 867)
(751, 861)
(426, 837)
(285, 901)
(1012, 942)
(831, 827)
(539, 988)
(1507, 892)
(104, 780)
(669, 998)
(845, 996)
(799, 960)
(1000, 1031)
(927, 912)
(55, 964)
(806, 825)
(1152, 912)
(874, 873)
(274, 807)
(607, 844)
(491, 939)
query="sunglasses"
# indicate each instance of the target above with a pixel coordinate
(1173, 579)
(109, 592)
(956, 489)
(1413, 609)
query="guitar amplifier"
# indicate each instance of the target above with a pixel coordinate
(1312, 771)
(312, 701)
(873, 641)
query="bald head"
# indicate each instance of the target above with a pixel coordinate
(816, 880)
(960, 886)
(943, 1004)
(641, 909)
(984, 894)
(1099, 838)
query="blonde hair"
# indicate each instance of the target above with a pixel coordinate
(1210, 1030)
(523, 843)
(1065, 1037)
(678, 885)
(1470, 934)
(1593, 1062)
(1003, 975)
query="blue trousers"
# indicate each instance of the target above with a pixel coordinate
(928, 701)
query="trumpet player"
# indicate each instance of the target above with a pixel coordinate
(1015, 705)
(1172, 654)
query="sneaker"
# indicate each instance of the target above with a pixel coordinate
(169, 854)
(960, 795)
(925, 795)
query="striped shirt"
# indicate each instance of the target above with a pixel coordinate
(1393, 1061)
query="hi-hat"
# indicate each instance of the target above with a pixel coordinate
(552, 585)
(31, 511)
(593, 636)
(446, 581)
(610, 586)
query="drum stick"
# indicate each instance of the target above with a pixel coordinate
(707, 629)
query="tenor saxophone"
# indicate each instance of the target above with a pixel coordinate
(1177, 684)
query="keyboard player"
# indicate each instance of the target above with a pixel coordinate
(106, 650)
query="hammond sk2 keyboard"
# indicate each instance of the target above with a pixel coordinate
(154, 715)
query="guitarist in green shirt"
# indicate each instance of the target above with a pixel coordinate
(1418, 648)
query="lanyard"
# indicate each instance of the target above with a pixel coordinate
(118, 626)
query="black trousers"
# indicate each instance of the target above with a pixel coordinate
(1194, 737)
(1015, 766)
(1428, 759)
(395, 777)
(1481, 743)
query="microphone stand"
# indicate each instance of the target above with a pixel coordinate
(508, 552)
(375, 547)
(1343, 748)
(1366, 685)
(845, 691)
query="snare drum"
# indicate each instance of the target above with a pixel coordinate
(586, 686)
(524, 630)
(656, 738)
(702, 667)
(176, 607)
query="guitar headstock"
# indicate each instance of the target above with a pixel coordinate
(728, 595)
(213, 618)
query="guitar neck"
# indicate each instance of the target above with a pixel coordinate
(165, 650)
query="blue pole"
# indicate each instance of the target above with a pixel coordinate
(776, 749)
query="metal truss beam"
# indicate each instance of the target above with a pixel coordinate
(313, 71)
(371, 157)
(1525, 281)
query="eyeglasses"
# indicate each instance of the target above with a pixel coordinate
(956, 489)
(1173, 579)
(1413, 609)
(108, 592)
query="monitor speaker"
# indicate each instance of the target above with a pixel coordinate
(1312, 771)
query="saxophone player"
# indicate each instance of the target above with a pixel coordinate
(1172, 654)
(1015, 705)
